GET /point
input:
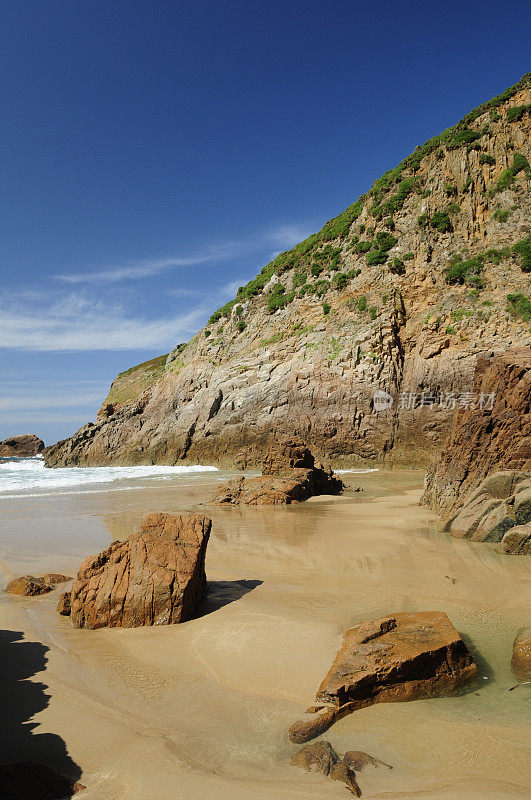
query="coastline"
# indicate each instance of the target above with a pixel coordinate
(202, 709)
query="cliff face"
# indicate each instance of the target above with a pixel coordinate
(481, 443)
(399, 294)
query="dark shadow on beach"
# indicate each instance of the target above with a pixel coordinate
(20, 700)
(221, 593)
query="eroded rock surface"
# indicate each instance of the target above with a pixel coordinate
(405, 656)
(517, 541)
(29, 586)
(316, 757)
(321, 757)
(403, 326)
(501, 502)
(485, 443)
(154, 577)
(289, 475)
(63, 606)
(521, 660)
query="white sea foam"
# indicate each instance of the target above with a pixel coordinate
(25, 475)
(360, 471)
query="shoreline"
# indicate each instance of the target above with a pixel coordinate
(202, 709)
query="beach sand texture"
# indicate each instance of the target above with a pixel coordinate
(201, 710)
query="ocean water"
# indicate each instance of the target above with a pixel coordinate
(29, 477)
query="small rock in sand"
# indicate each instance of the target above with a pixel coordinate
(316, 757)
(63, 606)
(29, 586)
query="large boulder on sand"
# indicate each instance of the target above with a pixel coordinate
(517, 541)
(521, 660)
(155, 577)
(289, 475)
(501, 502)
(24, 446)
(404, 656)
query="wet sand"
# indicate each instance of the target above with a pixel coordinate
(201, 710)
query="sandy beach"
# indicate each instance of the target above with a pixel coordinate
(201, 710)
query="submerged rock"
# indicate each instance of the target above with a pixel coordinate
(155, 577)
(29, 586)
(29, 780)
(358, 760)
(521, 660)
(289, 475)
(343, 772)
(321, 757)
(406, 656)
(316, 757)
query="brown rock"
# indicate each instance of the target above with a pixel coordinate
(63, 606)
(500, 502)
(28, 780)
(29, 586)
(343, 772)
(517, 541)
(316, 757)
(155, 577)
(402, 657)
(358, 760)
(287, 456)
(521, 660)
(287, 478)
(24, 446)
(52, 578)
(486, 441)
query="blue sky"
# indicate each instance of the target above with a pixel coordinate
(157, 154)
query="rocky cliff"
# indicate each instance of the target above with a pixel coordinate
(363, 338)
(483, 442)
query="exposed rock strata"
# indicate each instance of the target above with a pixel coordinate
(24, 446)
(485, 441)
(402, 657)
(399, 327)
(155, 577)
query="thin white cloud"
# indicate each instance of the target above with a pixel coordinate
(11, 422)
(149, 267)
(283, 236)
(23, 403)
(73, 323)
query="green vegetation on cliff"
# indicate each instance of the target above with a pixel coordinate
(129, 385)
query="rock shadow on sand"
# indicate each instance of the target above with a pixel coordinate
(32, 765)
(221, 593)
